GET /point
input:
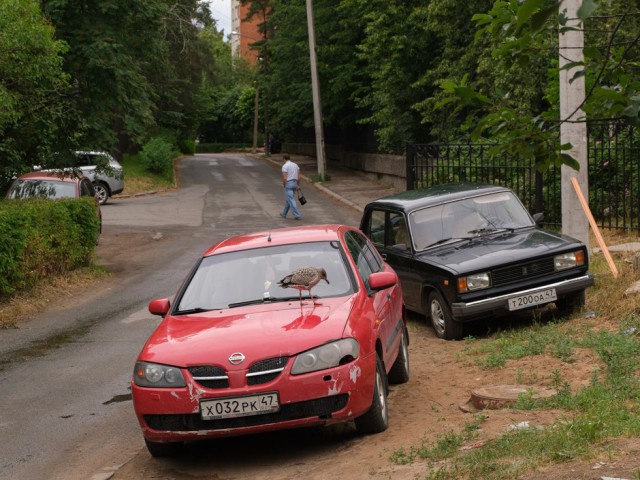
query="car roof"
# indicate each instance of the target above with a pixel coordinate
(60, 176)
(280, 236)
(436, 195)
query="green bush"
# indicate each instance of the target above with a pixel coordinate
(157, 155)
(39, 238)
(187, 147)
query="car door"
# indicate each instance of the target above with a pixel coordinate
(390, 234)
(387, 303)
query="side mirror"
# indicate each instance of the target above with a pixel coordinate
(382, 280)
(159, 306)
(538, 217)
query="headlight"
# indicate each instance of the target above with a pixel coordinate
(155, 375)
(568, 260)
(477, 281)
(327, 356)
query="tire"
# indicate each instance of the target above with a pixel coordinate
(399, 372)
(376, 420)
(162, 450)
(571, 303)
(441, 319)
(102, 192)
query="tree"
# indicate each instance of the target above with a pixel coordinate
(525, 33)
(136, 67)
(33, 87)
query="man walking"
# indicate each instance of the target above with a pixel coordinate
(290, 172)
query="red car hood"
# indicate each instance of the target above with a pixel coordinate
(257, 331)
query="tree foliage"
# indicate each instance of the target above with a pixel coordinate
(33, 86)
(525, 33)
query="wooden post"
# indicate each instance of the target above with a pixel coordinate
(594, 226)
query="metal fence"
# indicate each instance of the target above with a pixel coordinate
(614, 175)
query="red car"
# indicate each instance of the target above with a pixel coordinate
(288, 328)
(54, 186)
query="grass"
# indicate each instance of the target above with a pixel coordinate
(138, 180)
(606, 409)
(26, 303)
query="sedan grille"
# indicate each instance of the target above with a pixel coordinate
(321, 408)
(210, 376)
(522, 271)
(266, 370)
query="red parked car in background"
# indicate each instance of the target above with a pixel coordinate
(53, 186)
(246, 347)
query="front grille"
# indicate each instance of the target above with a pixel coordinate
(265, 370)
(210, 376)
(320, 407)
(522, 271)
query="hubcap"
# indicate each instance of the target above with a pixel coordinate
(101, 193)
(437, 316)
(381, 396)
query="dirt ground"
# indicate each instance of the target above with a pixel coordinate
(421, 411)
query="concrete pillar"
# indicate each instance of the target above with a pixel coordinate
(573, 129)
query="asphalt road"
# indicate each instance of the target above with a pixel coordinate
(65, 407)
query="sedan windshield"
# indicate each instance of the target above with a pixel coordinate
(42, 189)
(467, 218)
(251, 276)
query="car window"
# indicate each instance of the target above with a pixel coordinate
(84, 160)
(364, 255)
(467, 217)
(399, 238)
(248, 275)
(43, 189)
(377, 227)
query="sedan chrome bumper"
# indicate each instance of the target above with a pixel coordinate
(463, 311)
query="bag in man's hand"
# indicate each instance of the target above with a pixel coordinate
(301, 198)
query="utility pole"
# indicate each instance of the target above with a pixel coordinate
(573, 127)
(317, 105)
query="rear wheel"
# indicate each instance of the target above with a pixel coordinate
(160, 450)
(102, 192)
(376, 420)
(571, 303)
(443, 322)
(399, 372)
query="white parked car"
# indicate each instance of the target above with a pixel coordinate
(104, 171)
(108, 180)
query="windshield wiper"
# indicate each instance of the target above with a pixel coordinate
(192, 310)
(444, 240)
(266, 300)
(481, 231)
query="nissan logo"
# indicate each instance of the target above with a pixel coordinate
(236, 358)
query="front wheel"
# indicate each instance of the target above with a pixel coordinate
(399, 372)
(376, 420)
(102, 192)
(445, 326)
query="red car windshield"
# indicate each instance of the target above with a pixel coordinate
(42, 189)
(252, 276)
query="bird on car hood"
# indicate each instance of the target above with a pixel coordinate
(304, 278)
